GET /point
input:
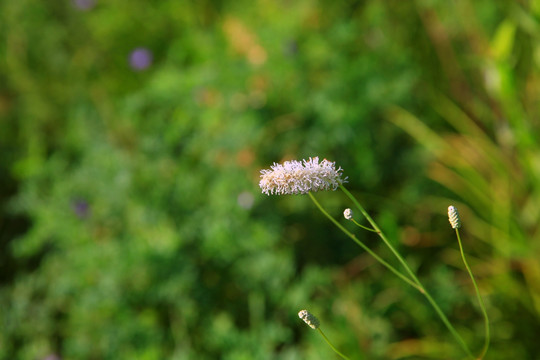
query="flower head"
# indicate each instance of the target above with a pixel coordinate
(453, 217)
(348, 214)
(301, 177)
(309, 319)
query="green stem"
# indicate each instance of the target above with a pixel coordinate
(480, 300)
(446, 322)
(381, 234)
(332, 346)
(363, 246)
(363, 227)
(419, 285)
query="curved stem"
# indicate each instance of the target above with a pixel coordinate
(480, 300)
(332, 346)
(363, 227)
(419, 286)
(363, 246)
(380, 233)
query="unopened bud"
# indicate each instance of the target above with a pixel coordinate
(309, 319)
(453, 217)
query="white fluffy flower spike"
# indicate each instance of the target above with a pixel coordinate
(301, 177)
(453, 217)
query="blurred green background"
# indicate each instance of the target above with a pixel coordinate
(131, 138)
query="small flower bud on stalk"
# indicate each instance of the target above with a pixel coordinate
(348, 214)
(453, 217)
(313, 323)
(455, 221)
(309, 319)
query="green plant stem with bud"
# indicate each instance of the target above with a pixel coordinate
(363, 246)
(479, 297)
(413, 280)
(314, 323)
(307, 176)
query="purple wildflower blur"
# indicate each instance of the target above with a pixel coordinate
(140, 59)
(52, 357)
(84, 5)
(81, 208)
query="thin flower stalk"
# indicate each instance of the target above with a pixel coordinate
(363, 246)
(419, 286)
(331, 345)
(314, 323)
(478, 296)
(364, 227)
(295, 177)
(380, 233)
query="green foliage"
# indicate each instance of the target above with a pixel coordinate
(131, 225)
